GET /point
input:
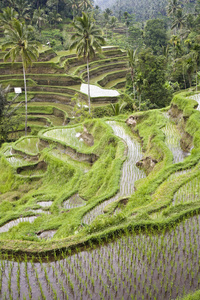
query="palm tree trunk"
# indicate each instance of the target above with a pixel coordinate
(190, 79)
(184, 78)
(88, 73)
(196, 80)
(25, 90)
(134, 91)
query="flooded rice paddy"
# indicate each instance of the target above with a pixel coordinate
(13, 223)
(45, 203)
(142, 265)
(172, 140)
(29, 145)
(15, 160)
(129, 174)
(136, 266)
(46, 235)
(70, 136)
(197, 98)
(96, 91)
(189, 192)
(74, 201)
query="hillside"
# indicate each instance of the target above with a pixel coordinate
(99, 151)
(143, 9)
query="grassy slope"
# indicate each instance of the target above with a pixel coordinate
(153, 193)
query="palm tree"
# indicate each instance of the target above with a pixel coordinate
(75, 6)
(85, 5)
(20, 45)
(23, 8)
(172, 7)
(7, 15)
(179, 20)
(86, 40)
(190, 66)
(9, 120)
(196, 58)
(176, 43)
(105, 21)
(54, 17)
(132, 62)
(112, 24)
(126, 22)
(139, 85)
(39, 17)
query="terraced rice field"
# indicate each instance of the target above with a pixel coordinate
(172, 140)
(150, 260)
(136, 266)
(57, 83)
(130, 173)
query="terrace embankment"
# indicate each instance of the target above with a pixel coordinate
(177, 115)
(181, 110)
(130, 173)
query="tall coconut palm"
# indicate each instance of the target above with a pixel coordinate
(39, 18)
(139, 85)
(132, 58)
(113, 22)
(190, 66)
(196, 58)
(23, 8)
(7, 15)
(75, 6)
(126, 22)
(179, 20)
(85, 5)
(172, 7)
(86, 40)
(20, 45)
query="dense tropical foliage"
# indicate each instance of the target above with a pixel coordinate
(130, 166)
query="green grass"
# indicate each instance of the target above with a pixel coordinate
(192, 296)
(150, 205)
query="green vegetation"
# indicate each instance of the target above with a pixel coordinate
(106, 153)
(86, 40)
(20, 44)
(101, 203)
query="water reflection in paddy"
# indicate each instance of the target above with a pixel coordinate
(129, 174)
(96, 91)
(149, 265)
(68, 136)
(13, 223)
(197, 98)
(172, 140)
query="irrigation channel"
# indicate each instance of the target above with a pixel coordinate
(143, 265)
(130, 173)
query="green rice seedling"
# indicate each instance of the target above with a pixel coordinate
(18, 278)
(40, 285)
(9, 277)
